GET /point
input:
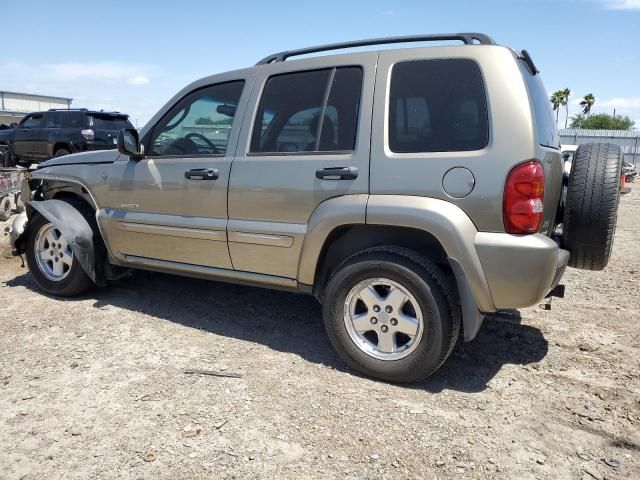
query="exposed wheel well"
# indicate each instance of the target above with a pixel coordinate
(59, 192)
(346, 240)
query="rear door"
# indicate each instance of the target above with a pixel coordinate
(44, 138)
(305, 139)
(24, 139)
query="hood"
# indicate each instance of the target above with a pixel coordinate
(83, 158)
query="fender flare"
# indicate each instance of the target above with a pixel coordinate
(73, 225)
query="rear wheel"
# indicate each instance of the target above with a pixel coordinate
(51, 260)
(61, 152)
(391, 314)
(591, 207)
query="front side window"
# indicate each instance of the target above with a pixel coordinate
(437, 106)
(199, 124)
(32, 121)
(312, 111)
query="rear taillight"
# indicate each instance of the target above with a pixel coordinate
(523, 198)
(87, 134)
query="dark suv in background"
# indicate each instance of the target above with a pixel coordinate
(43, 135)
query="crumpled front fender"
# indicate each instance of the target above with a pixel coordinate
(73, 226)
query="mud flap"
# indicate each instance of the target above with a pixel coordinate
(73, 226)
(471, 317)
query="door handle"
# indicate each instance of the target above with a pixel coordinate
(337, 173)
(202, 174)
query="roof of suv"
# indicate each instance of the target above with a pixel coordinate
(89, 112)
(468, 38)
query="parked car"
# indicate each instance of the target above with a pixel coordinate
(10, 196)
(43, 135)
(412, 191)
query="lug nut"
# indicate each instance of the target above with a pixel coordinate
(394, 322)
(388, 309)
(376, 308)
(374, 320)
(384, 328)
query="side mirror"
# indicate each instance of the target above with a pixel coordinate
(13, 125)
(129, 143)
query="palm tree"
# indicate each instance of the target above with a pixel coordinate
(586, 103)
(556, 101)
(566, 93)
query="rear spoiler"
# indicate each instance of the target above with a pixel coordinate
(528, 60)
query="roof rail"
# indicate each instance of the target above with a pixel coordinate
(66, 109)
(466, 38)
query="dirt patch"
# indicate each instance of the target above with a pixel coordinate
(94, 387)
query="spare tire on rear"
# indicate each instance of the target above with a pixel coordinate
(591, 207)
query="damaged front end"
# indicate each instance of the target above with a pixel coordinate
(18, 228)
(74, 220)
(16, 232)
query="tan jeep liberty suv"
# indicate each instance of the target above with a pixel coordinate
(411, 190)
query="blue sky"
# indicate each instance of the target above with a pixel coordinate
(133, 56)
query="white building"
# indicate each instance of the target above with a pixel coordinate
(15, 105)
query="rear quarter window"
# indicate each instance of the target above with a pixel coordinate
(437, 106)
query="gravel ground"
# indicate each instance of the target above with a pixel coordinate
(94, 387)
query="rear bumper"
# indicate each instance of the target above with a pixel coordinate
(519, 269)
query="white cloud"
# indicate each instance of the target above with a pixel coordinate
(101, 71)
(625, 103)
(622, 4)
(139, 80)
(389, 12)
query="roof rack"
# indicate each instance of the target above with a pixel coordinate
(466, 38)
(67, 109)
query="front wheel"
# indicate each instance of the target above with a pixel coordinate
(391, 314)
(51, 260)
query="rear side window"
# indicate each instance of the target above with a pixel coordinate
(543, 113)
(72, 119)
(52, 120)
(437, 106)
(108, 122)
(313, 111)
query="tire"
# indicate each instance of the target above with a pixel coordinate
(73, 283)
(7, 159)
(591, 208)
(61, 152)
(5, 209)
(423, 283)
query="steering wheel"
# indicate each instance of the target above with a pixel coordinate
(204, 139)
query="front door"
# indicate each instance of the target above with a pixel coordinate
(306, 140)
(170, 208)
(24, 138)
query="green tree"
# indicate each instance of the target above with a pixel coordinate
(556, 101)
(587, 103)
(566, 93)
(602, 121)
(204, 121)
